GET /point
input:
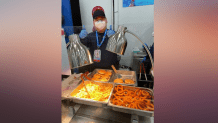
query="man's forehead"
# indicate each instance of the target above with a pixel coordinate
(100, 18)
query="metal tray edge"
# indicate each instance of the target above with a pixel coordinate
(96, 70)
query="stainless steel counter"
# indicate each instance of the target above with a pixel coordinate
(100, 115)
(80, 113)
(90, 114)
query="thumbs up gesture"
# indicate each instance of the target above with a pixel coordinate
(110, 31)
(83, 32)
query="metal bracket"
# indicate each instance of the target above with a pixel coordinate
(134, 118)
(72, 112)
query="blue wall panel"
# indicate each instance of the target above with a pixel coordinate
(68, 21)
(126, 3)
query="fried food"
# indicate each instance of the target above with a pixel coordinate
(94, 79)
(129, 81)
(97, 76)
(118, 81)
(101, 71)
(108, 73)
(98, 79)
(104, 79)
(139, 99)
(102, 75)
(97, 92)
(105, 76)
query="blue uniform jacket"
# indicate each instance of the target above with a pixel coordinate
(107, 58)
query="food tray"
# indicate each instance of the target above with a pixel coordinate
(96, 71)
(125, 75)
(89, 101)
(131, 110)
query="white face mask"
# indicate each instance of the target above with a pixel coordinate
(100, 24)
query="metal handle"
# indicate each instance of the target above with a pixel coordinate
(144, 71)
(140, 72)
(114, 69)
(85, 84)
(86, 75)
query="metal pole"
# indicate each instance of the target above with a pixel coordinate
(149, 54)
(112, 18)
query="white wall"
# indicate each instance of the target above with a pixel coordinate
(64, 60)
(139, 20)
(86, 7)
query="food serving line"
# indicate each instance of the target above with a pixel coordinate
(105, 96)
(79, 110)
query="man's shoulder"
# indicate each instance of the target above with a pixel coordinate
(91, 34)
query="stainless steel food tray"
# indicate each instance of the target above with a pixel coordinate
(96, 71)
(131, 110)
(89, 101)
(125, 75)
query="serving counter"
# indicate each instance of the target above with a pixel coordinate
(75, 110)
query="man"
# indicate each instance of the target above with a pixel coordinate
(97, 41)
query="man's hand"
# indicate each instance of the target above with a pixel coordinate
(110, 32)
(83, 32)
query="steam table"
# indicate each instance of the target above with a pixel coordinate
(79, 113)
